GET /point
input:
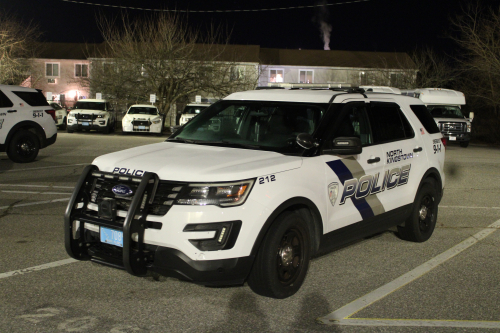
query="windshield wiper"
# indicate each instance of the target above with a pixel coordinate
(230, 144)
(182, 140)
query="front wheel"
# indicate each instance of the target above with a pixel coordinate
(23, 147)
(464, 144)
(422, 221)
(283, 258)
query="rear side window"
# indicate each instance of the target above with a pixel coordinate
(425, 118)
(389, 123)
(5, 102)
(33, 98)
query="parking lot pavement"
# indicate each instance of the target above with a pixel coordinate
(380, 284)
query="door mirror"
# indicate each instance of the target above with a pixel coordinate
(306, 141)
(345, 146)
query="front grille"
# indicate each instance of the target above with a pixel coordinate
(140, 122)
(102, 189)
(453, 127)
(82, 116)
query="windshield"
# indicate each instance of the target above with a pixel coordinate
(143, 110)
(193, 109)
(445, 111)
(255, 125)
(101, 106)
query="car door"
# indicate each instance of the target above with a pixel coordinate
(351, 179)
(402, 153)
(8, 116)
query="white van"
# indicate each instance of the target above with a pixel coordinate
(445, 106)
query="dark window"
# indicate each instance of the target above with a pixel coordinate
(33, 98)
(354, 123)
(389, 123)
(5, 102)
(425, 118)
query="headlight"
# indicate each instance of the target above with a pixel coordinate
(468, 127)
(71, 115)
(223, 194)
(156, 121)
(101, 116)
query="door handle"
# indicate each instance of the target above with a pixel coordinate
(416, 150)
(10, 111)
(374, 160)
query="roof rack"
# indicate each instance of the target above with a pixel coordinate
(350, 90)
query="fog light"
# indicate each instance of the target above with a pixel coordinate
(135, 237)
(221, 237)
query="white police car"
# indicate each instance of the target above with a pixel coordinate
(258, 183)
(27, 123)
(92, 114)
(142, 118)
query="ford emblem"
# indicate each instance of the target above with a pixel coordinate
(122, 190)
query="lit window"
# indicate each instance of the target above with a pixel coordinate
(276, 75)
(305, 76)
(81, 70)
(363, 79)
(51, 69)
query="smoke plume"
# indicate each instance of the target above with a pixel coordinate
(325, 28)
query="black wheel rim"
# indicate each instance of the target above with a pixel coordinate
(290, 256)
(426, 213)
(25, 147)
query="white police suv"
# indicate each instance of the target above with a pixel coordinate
(91, 114)
(258, 183)
(27, 123)
(142, 118)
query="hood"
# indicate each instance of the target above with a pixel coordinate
(451, 120)
(196, 163)
(131, 117)
(84, 111)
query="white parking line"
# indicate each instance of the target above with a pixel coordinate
(468, 207)
(15, 185)
(36, 203)
(37, 268)
(51, 167)
(341, 316)
(35, 192)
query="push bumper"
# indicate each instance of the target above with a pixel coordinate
(456, 137)
(82, 241)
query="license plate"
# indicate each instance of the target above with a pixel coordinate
(453, 138)
(85, 123)
(111, 236)
(142, 127)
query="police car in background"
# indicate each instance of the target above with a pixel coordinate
(92, 114)
(61, 114)
(142, 118)
(27, 123)
(258, 183)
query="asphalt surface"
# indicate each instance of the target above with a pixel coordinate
(455, 290)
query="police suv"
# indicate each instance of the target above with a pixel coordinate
(257, 184)
(27, 123)
(92, 114)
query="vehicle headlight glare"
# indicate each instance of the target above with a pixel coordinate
(225, 194)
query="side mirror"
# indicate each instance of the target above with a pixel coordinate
(471, 116)
(345, 146)
(306, 141)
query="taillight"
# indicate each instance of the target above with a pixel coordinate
(443, 140)
(52, 113)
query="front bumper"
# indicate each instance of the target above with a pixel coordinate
(98, 125)
(82, 240)
(153, 128)
(456, 137)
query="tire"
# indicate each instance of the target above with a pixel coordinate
(422, 221)
(279, 274)
(23, 147)
(464, 144)
(68, 130)
(63, 125)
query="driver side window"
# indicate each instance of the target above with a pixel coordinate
(355, 123)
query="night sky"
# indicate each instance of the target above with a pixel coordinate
(371, 25)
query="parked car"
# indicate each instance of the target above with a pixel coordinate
(92, 114)
(27, 123)
(61, 115)
(142, 118)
